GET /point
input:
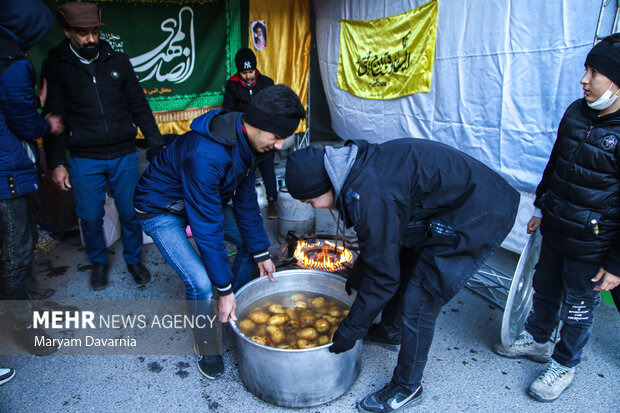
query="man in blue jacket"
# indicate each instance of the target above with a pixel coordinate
(192, 182)
(22, 24)
(426, 217)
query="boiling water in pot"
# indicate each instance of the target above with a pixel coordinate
(293, 320)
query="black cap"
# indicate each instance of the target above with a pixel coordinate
(306, 177)
(245, 59)
(605, 58)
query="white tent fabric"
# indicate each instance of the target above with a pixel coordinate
(504, 73)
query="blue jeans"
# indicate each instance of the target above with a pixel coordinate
(17, 238)
(168, 233)
(89, 178)
(560, 282)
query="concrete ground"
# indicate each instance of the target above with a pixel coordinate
(462, 375)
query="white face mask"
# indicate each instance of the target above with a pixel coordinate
(605, 101)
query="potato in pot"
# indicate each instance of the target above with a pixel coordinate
(246, 326)
(303, 343)
(322, 326)
(307, 333)
(261, 340)
(259, 317)
(278, 319)
(276, 334)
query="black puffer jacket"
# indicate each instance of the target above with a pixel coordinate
(100, 109)
(238, 96)
(579, 193)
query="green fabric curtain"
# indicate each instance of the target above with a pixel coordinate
(182, 51)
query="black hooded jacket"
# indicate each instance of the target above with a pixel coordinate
(579, 193)
(101, 104)
(444, 206)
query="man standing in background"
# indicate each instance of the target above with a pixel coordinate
(97, 93)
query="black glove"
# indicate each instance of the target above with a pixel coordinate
(340, 343)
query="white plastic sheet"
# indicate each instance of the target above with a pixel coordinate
(504, 73)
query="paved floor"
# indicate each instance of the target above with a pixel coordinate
(462, 375)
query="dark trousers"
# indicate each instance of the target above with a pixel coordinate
(17, 238)
(411, 314)
(268, 173)
(560, 282)
(90, 178)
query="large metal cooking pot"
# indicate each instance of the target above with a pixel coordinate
(295, 378)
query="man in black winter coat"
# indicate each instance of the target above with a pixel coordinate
(98, 95)
(426, 217)
(578, 213)
(240, 90)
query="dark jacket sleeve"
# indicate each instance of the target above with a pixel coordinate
(202, 172)
(378, 230)
(229, 98)
(548, 172)
(249, 219)
(612, 261)
(55, 146)
(139, 107)
(20, 103)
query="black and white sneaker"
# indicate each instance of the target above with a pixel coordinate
(393, 397)
(6, 375)
(211, 366)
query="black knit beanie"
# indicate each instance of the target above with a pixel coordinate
(306, 177)
(245, 60)
(605, 58)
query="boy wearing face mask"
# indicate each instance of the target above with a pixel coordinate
(578, 212)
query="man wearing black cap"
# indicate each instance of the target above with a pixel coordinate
(96, 91)
(578, 212)
(426, 216)
(192, 182)
(240, 89)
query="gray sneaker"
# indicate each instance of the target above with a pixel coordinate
(526, 347)
(549, 385)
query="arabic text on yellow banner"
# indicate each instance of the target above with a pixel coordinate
(389, 57)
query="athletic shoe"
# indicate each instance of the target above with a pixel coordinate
(549, 385)
(393, 397)
(526, 347)
(6, 375)
(211, 366)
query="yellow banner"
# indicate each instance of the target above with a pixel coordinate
(389, 57)
(280, 37)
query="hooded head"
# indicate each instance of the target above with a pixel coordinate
(306, 176)
(27, 21)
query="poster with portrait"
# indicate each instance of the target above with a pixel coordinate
(259, 34)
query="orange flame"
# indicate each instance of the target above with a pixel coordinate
(329, 258)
